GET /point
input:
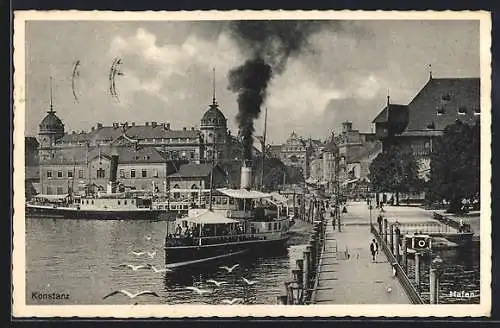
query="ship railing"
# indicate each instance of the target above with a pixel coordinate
(212, 240)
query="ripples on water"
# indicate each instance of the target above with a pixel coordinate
(80, 258)
(460, 272)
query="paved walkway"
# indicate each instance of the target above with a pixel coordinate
(355, 280)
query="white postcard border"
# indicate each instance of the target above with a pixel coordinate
(20, 309)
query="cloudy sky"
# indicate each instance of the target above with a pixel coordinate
(345, 74)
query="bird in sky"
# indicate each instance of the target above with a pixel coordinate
(249, 282)
(198, 290)
(133, 267)
(389, 289)
(233, 301)
(131, 295)
(217, 283)
(137, 253)
(230, 269)
(155, 269)
(148, 237)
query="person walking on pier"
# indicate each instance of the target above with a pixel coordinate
(374, 249)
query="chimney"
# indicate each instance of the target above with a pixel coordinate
(112, 174)
(246, 177)
(147, 123)
(99, 125)
(167, 126)
(133, 123)
(153, 124)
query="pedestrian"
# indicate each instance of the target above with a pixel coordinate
(333, 223)
(373, 249)
(379, 221)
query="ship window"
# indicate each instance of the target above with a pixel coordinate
(101, 174)
(92, 202)
(132, 173)
(70, 174)
(269, 227)
(131, 201)
(87, 201)
(118, 202)
(49, 174)
(275, 226)
(59, 174)
(144, 173)
(224, 200)
(231, 201)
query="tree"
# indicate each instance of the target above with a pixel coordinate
(455, 165)
(394, 170)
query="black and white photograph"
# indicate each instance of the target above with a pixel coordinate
(251, 164)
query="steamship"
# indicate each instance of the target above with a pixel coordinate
(110, 205)
(235, 221)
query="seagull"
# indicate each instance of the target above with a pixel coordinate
(148, 237)
(137, 253)
(130, 295)
(198, 291)
(230, 269)
(233, 301)
(249, 282)
(151, 254)
(389, 289)
(155, 269)
(133, 267)
(217, 283)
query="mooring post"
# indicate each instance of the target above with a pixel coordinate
(305, 272)
(398, 243)
(309, 250)
(433, 286)
(385, 231)
(391, 238)
(299, 263)
(405, 255)
(417, 270)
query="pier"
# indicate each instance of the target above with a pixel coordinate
(346, 273)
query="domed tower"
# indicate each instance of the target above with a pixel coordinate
(50, 129)
(213, 128)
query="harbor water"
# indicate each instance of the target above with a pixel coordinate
(81, 258)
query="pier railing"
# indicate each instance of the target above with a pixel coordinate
(400, 272)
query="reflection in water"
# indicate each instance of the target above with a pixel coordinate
(82, 258)
(460, 278)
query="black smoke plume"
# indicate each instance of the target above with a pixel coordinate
(268, 46)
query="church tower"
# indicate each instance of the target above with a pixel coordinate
(50, 130)
(213, 128)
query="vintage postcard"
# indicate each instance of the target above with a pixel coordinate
(251, 163)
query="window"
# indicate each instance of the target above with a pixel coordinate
(155, 173)
(59, 174)
(101, 174)
(144, 173)
(191, 155)
(60, 190)
(49, 190)
(132, 173)
(49, 175)
(70, 174)
(80, 174)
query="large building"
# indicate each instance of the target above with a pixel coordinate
(147, 153)
(296, 152)
(438, 104)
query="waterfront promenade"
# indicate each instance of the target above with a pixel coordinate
(354, 278)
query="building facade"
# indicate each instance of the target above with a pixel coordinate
(421, 122)
(296, 152)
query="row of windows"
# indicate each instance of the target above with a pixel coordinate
(170, 140)
(101, 174)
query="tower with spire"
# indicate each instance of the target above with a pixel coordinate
(213, 128)
(50, 130)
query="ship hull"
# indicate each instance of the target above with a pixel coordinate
(208, 253)
(73, 213)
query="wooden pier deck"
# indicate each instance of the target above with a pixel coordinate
(355, 279)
